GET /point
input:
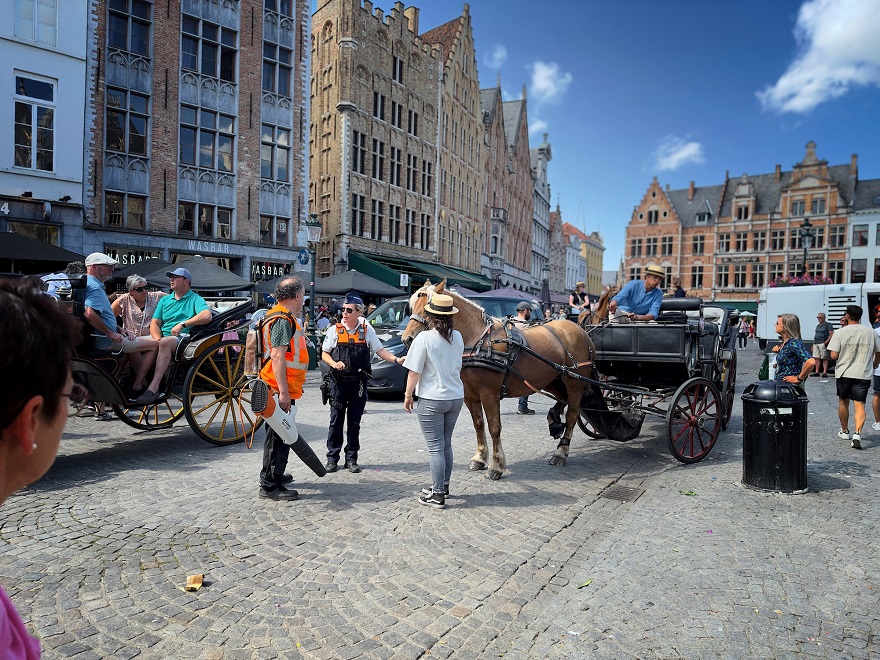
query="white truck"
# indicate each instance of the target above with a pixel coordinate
(807, 301)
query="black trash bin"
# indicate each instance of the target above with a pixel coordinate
(775, 436)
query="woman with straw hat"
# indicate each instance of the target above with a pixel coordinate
(434, 363)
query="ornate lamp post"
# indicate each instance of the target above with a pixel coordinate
(545, 286)
(313, 227)
(807, 232)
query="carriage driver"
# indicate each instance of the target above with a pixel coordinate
(638, 300)
(347, 348)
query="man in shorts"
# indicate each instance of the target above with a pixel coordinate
(856, 348)
(822, 336)
(875, 401)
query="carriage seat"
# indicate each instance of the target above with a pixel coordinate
(681, 305)
(221, 314)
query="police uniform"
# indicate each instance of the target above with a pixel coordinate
(278, 331)
(348, 393)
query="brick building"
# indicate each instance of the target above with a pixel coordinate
(509, 200)
(728, 241)
(460, 207)
(197, 132)
(540, 158)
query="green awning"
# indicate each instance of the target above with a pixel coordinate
(364, 264)
(418, 271)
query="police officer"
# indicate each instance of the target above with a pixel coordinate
(285, 372)
(348, 347)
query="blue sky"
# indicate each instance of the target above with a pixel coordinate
(679, 89)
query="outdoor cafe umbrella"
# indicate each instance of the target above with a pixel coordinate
(20, 253)
(352, 280)
(747, 314)
(206, 276)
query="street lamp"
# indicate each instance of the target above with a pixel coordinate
(545, 286)
(807, 233)
(313, 228)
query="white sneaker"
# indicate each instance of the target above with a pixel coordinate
(843, 435)
(856, 441)
(876, 426)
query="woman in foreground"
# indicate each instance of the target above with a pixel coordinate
(37, 339)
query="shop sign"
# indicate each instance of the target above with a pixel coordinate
(127, 257)
(268, 270)
(207, 246)
(739, 260)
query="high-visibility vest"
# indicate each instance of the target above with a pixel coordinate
(352, 349)
(296, 357)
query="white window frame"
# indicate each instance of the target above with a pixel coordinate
(34, 103)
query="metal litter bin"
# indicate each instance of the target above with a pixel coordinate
(312, 347)
(775, 436)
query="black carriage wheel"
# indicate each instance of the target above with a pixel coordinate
(159, 415)
(216, 404)
(728, 390)
(693, 420)
(587, 427)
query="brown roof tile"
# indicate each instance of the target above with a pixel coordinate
(444, 35)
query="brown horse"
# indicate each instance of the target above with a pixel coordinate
(546, 360)
(590, 317)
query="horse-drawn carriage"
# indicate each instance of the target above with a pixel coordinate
(204, 382)
(605, 377)
(686, 361)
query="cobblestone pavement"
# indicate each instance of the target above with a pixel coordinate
(536, 565)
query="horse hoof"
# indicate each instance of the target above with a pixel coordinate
(476, 466)
(494, 475)
(557, 460)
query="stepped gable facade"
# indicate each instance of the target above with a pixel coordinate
(373, 145)
(728, 241)
(459, 219)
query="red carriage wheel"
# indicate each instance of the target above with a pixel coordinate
(694, 420)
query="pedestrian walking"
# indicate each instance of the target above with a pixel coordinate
(793, 362)
(856, 348)
(348, 348)
(875, 400)
(677, 290)
(38, 339)
(284, 370)
(522, 318)
(742, 334)
(822, 336)
(434, 363)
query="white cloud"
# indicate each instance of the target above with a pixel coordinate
(537, 125)
(837, 43)
(673, 152)
(548, 82)
(496, 58)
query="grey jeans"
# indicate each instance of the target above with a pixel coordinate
(437, 419)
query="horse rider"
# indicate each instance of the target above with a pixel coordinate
(639, 300)
(348, 347)
(577, 300)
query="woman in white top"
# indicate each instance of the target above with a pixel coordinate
(434, 363)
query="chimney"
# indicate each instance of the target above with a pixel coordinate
(778, 173)
(854, 165)
(412, 19)
(691, 192)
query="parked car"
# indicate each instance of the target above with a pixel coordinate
(390, 319)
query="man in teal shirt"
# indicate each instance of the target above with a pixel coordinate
(174, 316)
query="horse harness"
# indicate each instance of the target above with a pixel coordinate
(486, 355)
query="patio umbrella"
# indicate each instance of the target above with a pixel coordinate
(20, 253)
(747, 314)
(507, 293)
(207, 277)
(356, 282)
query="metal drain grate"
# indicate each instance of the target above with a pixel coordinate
(623, 493)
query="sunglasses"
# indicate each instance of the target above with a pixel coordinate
(348, 310)
(140, 289)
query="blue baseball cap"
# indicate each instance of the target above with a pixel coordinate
(180, 272)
